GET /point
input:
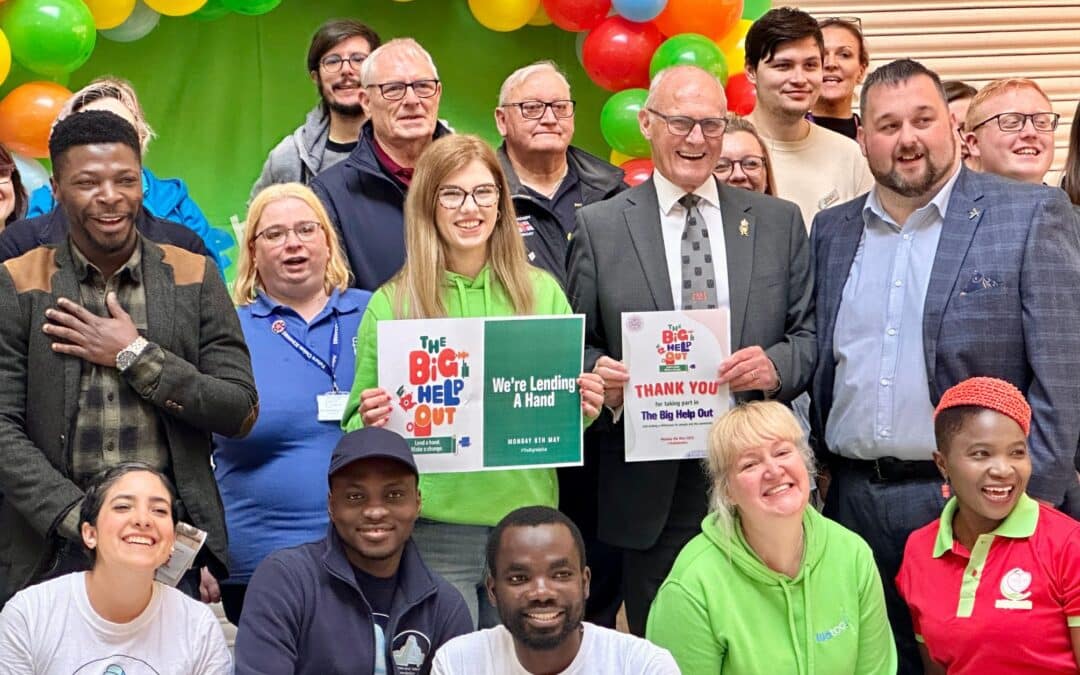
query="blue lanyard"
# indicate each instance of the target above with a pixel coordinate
(277, 326)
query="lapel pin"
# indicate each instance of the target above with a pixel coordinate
(973, 214)
(744, 228)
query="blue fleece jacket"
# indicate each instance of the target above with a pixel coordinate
(305, 614)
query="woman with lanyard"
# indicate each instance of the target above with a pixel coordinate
(299, 317)
(994, 584)
(465, 258)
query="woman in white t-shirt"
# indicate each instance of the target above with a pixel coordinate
(115, 618)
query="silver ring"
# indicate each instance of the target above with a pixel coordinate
(753, 374)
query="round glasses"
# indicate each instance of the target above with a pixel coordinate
(333, 62)
(452, 198)
(395, 91)
(749, 164)
(276, 235)
(534, 110)
(1014, 121)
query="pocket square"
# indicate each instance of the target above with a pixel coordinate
(978, 282)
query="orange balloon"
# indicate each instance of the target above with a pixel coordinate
(26, 115)
(711, 18)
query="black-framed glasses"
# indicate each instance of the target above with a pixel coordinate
(679, 125)
(334, 62)
(276, 235)
(833, 20)
(534, 110)
(1014, 121)
(749, 164)
(395, 91)
(484, 195)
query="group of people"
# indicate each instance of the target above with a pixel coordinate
(903, 320)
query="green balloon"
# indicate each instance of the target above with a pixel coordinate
(690, 49)
(250, 7)
(619, 122)
(213, 9)
(51, 37)
(753, 9)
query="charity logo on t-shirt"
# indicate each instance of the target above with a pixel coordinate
(1014, 587)
(117, 664)
(410, 648)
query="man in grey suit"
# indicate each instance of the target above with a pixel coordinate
(637, 252)
(937, 275)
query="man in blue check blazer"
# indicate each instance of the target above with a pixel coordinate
(937, 275)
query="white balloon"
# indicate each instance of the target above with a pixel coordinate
(138, 25)
(31, 171)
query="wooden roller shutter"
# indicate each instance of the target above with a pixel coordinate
(978, 41)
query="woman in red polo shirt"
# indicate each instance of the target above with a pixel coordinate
(994, 584)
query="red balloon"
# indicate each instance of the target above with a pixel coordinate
(741, 95)
(27, 114)
(711, 18)
(637, 171)
(577, 15)
(616, 54)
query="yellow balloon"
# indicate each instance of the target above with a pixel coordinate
(736, 60)
(5, 57)
(735, 37)
(617, 158)
(503, 15)
(175, 7)
(540, 18)
(110, 13)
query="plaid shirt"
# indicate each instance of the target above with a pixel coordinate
(114, 423)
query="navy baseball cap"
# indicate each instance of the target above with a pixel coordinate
(371, 442)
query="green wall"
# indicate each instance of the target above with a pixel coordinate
(221, 94)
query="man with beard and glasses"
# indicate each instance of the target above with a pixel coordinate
(937, 275)
(538, 580)
(113, 349)
(360, 600)
(365, 194)
(332, 128)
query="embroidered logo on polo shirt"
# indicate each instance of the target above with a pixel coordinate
(1014, 586)
(409, 650)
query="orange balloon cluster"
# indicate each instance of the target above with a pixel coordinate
(27, 114)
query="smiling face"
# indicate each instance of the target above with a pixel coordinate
(687, 161)
(988, 466)
(769, 481)
(292, 268)
(908, 137)
(539, 585)
(410, 118)
(1024, 155)
(134, 527)
(842, 69)
(737, 146)
(466, 230)
(788, 84)
(99, 187)
(374, 504)
(340, 91)
(549, 134)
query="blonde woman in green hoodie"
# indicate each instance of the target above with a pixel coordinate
(464, 258)
(771, 586)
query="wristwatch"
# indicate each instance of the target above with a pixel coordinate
(126, 356)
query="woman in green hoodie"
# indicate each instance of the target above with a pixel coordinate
(771, 586)
(465, 258)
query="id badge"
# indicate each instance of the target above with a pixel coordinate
(332, 405)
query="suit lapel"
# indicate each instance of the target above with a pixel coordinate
(642, 220)
(962, 217)
(842, 249)
(65, 285)
(160, 299)
(740, 233)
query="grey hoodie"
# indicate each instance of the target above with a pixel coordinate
(299, 156)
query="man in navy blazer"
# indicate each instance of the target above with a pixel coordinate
(937, 275)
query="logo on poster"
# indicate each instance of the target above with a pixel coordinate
(437, 375)
(674, 349)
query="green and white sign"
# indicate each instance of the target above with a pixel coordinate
(485, 393)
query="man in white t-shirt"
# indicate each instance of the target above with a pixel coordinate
(538, 581)
(814, 167)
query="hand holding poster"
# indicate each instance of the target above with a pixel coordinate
(673, 396)
(485, 393)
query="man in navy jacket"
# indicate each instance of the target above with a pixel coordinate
(361, 600)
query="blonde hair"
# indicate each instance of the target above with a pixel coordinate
(746, 426)
(418, 287)
(996, 88)
(114, 88)
(247, 274)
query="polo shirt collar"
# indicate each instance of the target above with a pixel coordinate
(264, 305)
(1019, 524)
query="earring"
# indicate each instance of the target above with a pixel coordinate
(946, 490)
